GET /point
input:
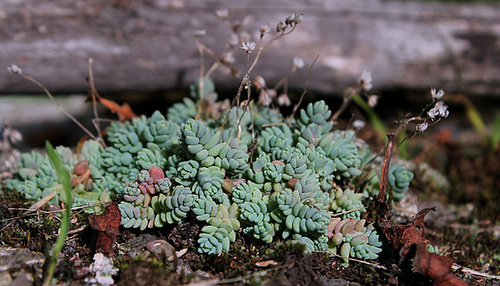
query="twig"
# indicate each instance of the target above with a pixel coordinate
(309, 71)
(40, 203)
(474, 272)
(272, 124)
(95, 95)
(360, 261)
(346, 212)
(385, 168)
(47, 92)
(347, 99)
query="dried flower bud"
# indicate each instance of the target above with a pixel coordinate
(293, 19)
(280, 27)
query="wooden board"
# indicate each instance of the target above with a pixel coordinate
(148, 45)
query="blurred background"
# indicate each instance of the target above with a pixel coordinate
(144, 52)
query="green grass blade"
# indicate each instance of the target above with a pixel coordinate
(64, 179)
(372, 116)
(495, 133)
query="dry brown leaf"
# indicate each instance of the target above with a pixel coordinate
(123, 111)
(435, 266)
(405, 238)
(107, 225)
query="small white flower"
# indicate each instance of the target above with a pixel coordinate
(200, 33)
(259, 82)
(245, 36)
(372, 100)
(248, 47)
(227, 58)
(293, 19)
(422, 127)
(365, 81)
(298, 63)
(439, 110)
(233, 40)
(284, 100)
(222, 13)
(437, 95)
(264, 30)
(266, 97)
(14, 70)
(358, 124)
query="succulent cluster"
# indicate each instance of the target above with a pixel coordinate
(36, 177)
(230, 168)
(351, 238)
(398, 181)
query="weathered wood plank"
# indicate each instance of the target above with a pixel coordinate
(148, 45)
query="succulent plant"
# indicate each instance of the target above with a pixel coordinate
(231, 168)
(398, 182)
(351, 238)
(36, 177)
(347, 202)
(399, 179)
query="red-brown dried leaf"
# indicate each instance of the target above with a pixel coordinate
(435, 266)
(404, 238)
(107, 225)
(123, 111)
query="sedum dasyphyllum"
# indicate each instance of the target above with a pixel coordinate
(230, 168)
